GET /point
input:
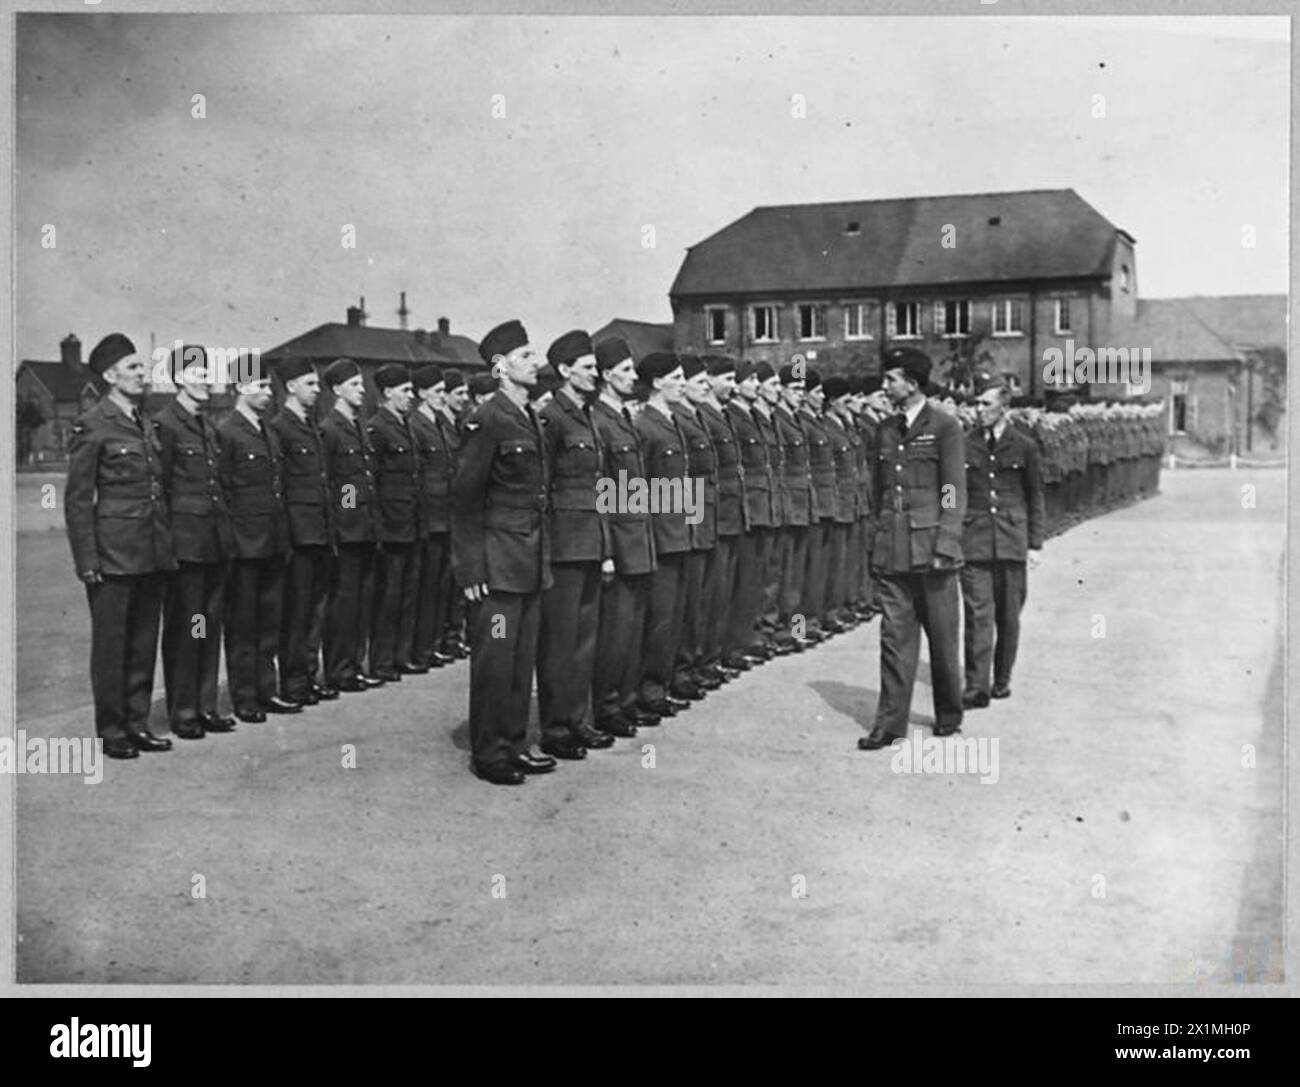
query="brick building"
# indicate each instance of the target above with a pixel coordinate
(61, 390)
(839, 282)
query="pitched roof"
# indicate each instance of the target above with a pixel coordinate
(368, 343)
(1205, 329)
(1037, 234)
(642, 337)
(62, 384)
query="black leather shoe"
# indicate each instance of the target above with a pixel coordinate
(145, 740)
(947, 730)
(251, 717)
(879, 738)
(324, 692)
(1000, 690)
(663, 707)
(388, 675)
(121, 747)
(410, 668)
(530, 763)
(189, 730)
(784, 649)
(686, 692)
(501, 774)
(368, 681)
(440, 660)
(617, 725)
(281, 705)
(596, 740)
(644, 718)
(215, 722)
(353, 685)
(738, 662)
(568, 748)
(974, 700)
(308, 698)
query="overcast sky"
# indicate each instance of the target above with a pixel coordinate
(228, 229)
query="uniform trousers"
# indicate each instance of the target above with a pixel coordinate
(125, 611)
(566, 651)
(306, 589)
(253, 602)
(191, 650)
(501, 675)
(347, 611)
(993, 594)
(912, 602)
(433, 596)
(617, 667)
(392, 631)
(659, 645)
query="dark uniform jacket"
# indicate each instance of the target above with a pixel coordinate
(703, 464)
(771, 434)
(795, 471)
(731, 487)
(200, 516)
(578, 532)
(755, 463)
(844, 445)
(115, 504)
(348, 463)
(252, 472)
(397, 477)
(913, 468)
(499, 532)
(664, 450)
(306, 481)
(1004, 495)
(821, 464)
(869, 430)
(630, 534)
(436, 471)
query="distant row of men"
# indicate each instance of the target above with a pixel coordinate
(341, 555)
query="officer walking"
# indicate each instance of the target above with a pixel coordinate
(501, 557)
(581, 555)
(251, 469)
(115, 508)
(1004, 523)
(311, 535)
(921, 489)
(194, 602)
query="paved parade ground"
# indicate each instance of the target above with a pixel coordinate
(1129, 836)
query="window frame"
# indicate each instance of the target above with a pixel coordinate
(1063, 301)
(1003, 306)
(864, 311)
(941, 317)
(892, 318)
(709, 311)
(819, 310)
(754, 337)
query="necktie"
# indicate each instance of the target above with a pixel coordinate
(991, 437)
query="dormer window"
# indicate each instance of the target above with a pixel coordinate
(853, 227)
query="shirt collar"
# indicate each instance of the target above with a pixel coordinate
(911, 413)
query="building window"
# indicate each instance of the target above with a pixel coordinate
(1063, 316)
(903, 320)
(1123, 278)
(1006, 318)
(715, 324)
(812, 321)
(764, 323)
(952, 318)
(857, 321)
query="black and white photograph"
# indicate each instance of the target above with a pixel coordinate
(663, 502)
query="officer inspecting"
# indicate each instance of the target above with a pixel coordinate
(115, 508)
(251, 468)
(921, 492)
(311, 535)
(1004, 523)
(201, 538)
(397, 487)
(501, 557)
(581, 555)
(348, 463)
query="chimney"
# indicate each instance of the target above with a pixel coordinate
(357, 314)
(70, 352)
(421, 336)
(444, 326)
(402, 313)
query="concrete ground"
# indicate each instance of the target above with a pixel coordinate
(1124, 840)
